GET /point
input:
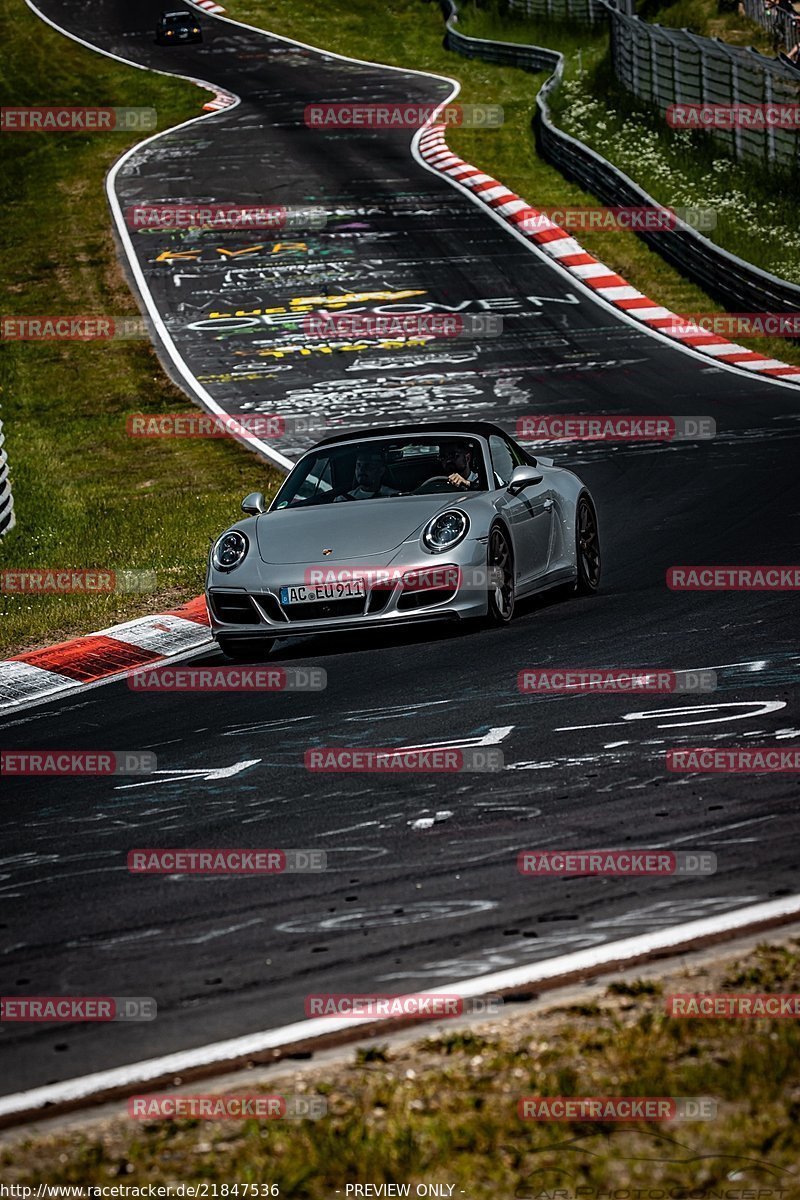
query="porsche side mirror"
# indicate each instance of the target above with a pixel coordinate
(523, 477)
(254, 504)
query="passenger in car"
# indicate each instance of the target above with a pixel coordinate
(368, 478)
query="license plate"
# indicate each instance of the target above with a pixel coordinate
(349, 589)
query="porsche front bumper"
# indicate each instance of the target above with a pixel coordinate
(252, 611)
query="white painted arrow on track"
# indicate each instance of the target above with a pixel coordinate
(177, 775)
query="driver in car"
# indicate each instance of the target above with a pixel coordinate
(368, 478)
(458, 465)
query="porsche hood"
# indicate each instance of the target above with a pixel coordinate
(348, 530)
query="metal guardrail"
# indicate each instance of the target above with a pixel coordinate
(783, 25)
(7, 519)
(737, 284)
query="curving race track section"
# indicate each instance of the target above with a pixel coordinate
(422, 888)
(228, 307)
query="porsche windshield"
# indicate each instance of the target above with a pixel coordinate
(382, 467)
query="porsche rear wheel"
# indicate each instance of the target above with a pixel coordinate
(587, 548)
(241, 650)
(500, 583)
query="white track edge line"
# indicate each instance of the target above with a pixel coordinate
(236, 1048)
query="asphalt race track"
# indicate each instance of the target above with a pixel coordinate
(422, 887)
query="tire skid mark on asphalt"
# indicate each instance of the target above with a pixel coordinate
(214, 934)
(700, 837)
(106, 942)
(381, 916)
(536, 948)
(277, 726)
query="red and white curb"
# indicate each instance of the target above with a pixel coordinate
(209, 6)
(221, 100)
(564, 249)
(40, 674)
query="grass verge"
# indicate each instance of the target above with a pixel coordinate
(444, 1109)
(86, 495)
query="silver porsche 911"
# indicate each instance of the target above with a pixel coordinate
(439, 521)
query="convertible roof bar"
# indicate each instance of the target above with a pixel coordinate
(480, 428)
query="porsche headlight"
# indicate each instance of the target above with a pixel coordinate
(445, 531)
(230, 551)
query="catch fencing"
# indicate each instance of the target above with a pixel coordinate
(783, 25)
(666, 67)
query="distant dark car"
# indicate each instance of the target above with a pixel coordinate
(178, 26)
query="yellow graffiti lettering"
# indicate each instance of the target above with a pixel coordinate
(347, 347)
(171, 255)
(243, 312)
(280, 246)
(236, 253)
(350, 298)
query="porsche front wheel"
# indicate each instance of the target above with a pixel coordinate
(500, 583)
(587, 548)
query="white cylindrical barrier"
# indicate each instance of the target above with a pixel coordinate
(7, 519)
